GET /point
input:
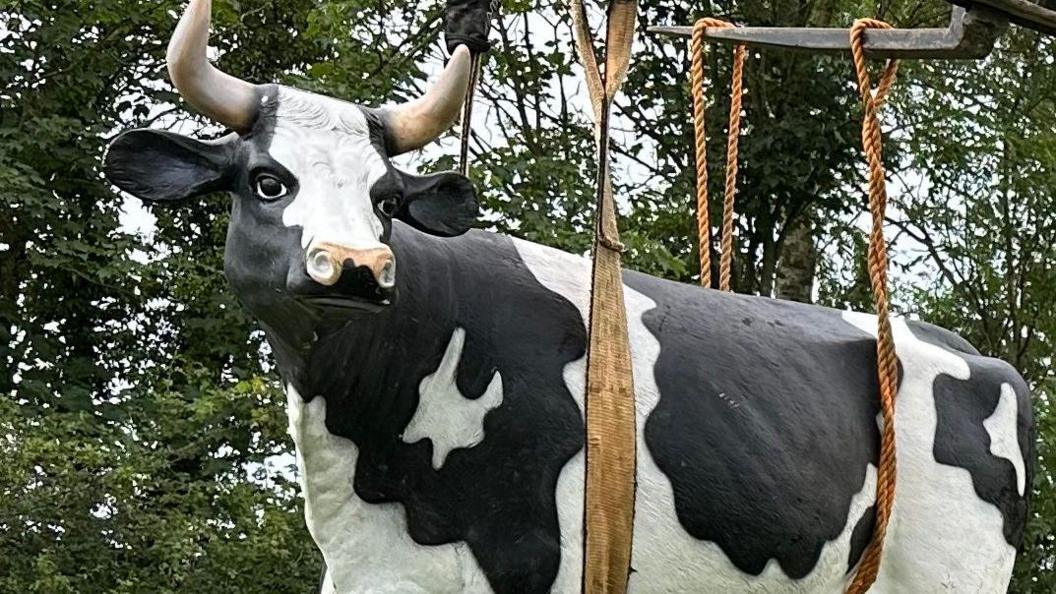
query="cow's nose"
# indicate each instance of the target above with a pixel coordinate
(326, 261)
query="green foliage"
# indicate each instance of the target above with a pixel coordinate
(136, 422)
(978, 222)
(140, 422)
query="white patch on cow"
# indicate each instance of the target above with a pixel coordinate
(942, 537)
(366, 546)
(1002, 425)
(444, 415)
(328, 584)
(325, 143)
(569, 494)
(925, 549)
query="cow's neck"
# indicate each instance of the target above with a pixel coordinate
(368, 366)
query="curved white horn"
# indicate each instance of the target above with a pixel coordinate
(419, 122)
(220, 96)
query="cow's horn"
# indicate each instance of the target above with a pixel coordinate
(419, 122)
(220, 96)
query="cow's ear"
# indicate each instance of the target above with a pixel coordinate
(160, 166)
(443, 204)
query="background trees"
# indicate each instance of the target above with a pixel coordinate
(141, 428)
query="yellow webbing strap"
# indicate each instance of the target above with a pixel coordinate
(610, 421)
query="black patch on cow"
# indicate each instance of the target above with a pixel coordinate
(863, 533)
(264, 126)
(499, 497)
(443, 204)
(765, 429)
(961, 440)
(161, 166)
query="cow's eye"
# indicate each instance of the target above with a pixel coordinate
(387, 206)
(270, 188)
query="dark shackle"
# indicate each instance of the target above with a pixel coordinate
(468, 22)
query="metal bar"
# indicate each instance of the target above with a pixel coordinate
(1021, 12)
(971, 34)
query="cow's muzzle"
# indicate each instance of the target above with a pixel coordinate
(326, 262)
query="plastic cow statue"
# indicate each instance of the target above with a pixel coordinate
(435, 379)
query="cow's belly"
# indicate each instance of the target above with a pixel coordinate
(367, 547)
(936, 510)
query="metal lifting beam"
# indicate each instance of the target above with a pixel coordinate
(1039, 15)
(975, 26)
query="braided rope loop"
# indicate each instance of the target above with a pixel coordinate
(732, 137)
(700, 143)
(887, 363)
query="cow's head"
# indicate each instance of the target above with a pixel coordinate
(314, 190)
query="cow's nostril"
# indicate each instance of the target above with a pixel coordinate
(321, 267)
(387, 274)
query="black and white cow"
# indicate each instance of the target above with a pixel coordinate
(435, 380)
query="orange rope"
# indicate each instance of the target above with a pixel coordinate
(872, 144)
(733, 134)
(887, 364)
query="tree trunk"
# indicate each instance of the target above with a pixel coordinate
(795, 271)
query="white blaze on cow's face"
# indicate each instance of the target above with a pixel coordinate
(323, 143)
(326, 144)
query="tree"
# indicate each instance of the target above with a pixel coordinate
(977, 220)
(137, 421)
(141, 424)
